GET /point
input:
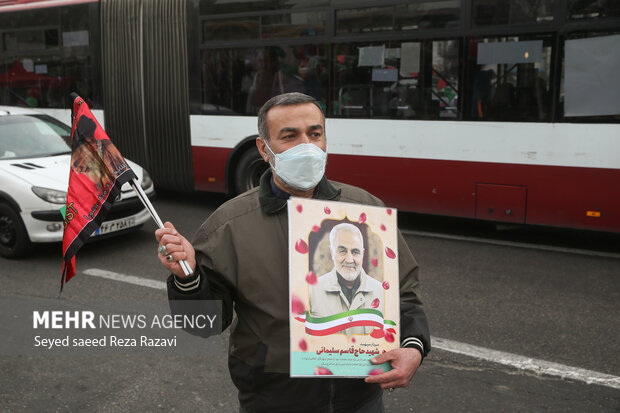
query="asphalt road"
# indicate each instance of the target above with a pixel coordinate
(557, 306)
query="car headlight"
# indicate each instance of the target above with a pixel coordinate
(146, 180)
(50, 195)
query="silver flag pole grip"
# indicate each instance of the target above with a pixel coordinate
(147, 203)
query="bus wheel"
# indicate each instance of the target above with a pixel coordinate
(14, 241)
(249, 169)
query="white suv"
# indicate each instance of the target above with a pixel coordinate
(35, 155)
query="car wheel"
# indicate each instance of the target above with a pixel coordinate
(14, 241)
(249, 169)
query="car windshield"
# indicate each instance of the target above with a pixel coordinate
(30, 136)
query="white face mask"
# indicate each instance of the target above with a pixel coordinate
(300, 167)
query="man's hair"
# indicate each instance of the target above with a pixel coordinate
(293, 98)
(343, 227)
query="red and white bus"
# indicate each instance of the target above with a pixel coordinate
(497, 110)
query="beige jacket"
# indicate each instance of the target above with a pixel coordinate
(327, 298)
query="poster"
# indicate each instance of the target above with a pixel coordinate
(343, 281)
(371, 56)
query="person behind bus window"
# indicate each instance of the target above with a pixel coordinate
(482, 92)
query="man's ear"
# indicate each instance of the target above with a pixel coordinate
(262, 149)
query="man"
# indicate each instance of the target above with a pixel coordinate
(239, 257)
(347, 286)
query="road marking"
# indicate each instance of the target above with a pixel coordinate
(512, 244)
(130, 279)
(507, 359)
(527, 363)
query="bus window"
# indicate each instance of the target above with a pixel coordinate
(415, 16)
(293, 25)
(446, 77)
(511, 79)
(240, 81)
(298, 24)
(589, 70)
(45, 55)
(502, 12)
(365, 20)
(31, 39)
(212, 7)
(591, 10)
(77, 75)
(396, 79)
(427, 15)
(230, 29)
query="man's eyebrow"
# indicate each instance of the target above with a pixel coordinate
(288, 129)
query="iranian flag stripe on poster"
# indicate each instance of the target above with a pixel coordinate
(323, 326)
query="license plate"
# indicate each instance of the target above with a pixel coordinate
(116, 225)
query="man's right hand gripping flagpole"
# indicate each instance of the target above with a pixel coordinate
(165, 255)
(178, 247)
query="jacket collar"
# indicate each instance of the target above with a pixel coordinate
(270, 203)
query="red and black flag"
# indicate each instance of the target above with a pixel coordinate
(98, 170)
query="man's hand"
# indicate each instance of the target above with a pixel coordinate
(404, 361)
(176, 247)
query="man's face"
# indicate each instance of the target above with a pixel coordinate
(291, 125)
(348, 253)
(83, 160)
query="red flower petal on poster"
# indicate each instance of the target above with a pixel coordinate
(300, 208)
(303, 345)
(377, 333)
(362, 218)
(316, 228)
(311, 278)
(386, 285)
(375, 262)
(297, 306)
(383, 227)
(322, 371)
(375, 303)
(327, 210)
(389, 211)
(389, 253)
(375, 371)
(391, 330)
(301, 246)
(389, 337)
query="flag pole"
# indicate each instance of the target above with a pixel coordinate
(147, 203)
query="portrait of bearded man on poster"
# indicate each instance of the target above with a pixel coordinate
(347, 286)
